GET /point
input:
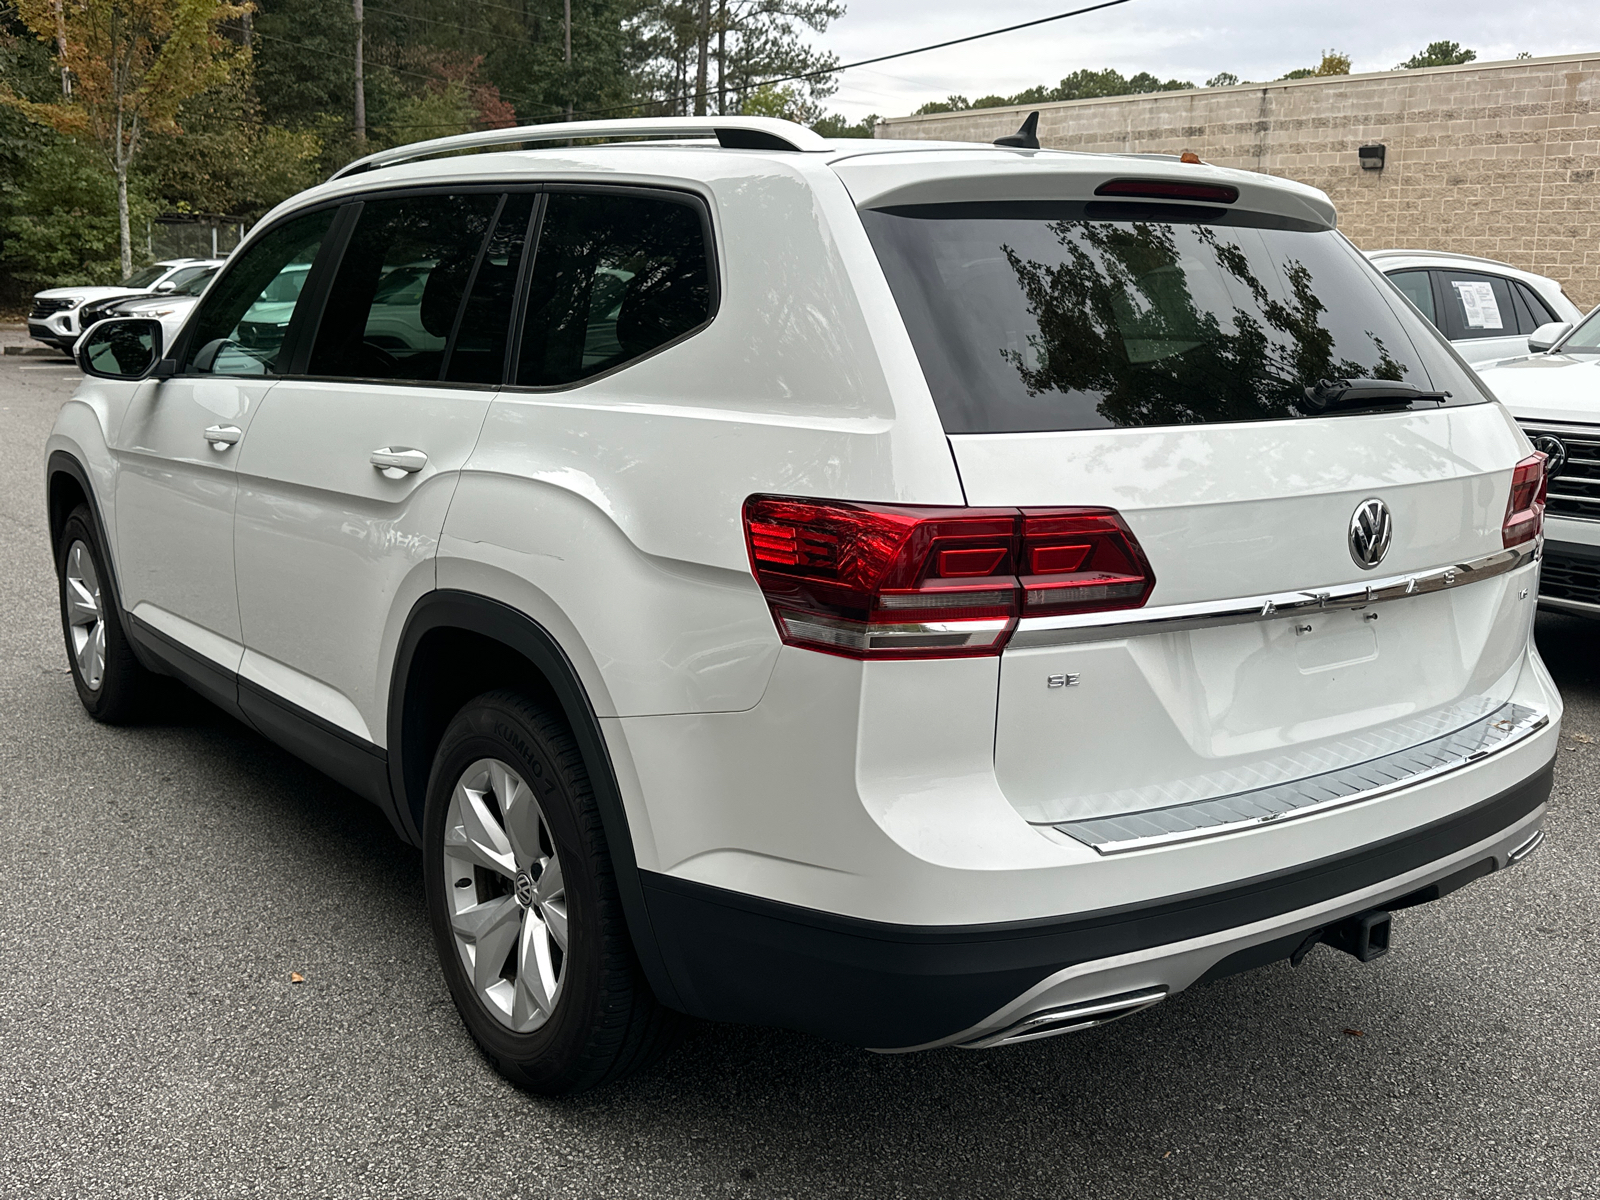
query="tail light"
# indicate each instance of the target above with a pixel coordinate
(1525, 509)
(896, 581)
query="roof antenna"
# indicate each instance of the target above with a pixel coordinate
(1025, 138)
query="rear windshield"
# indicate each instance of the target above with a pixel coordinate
(1052, 315)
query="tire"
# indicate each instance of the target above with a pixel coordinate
(110, 682)
(513, 851)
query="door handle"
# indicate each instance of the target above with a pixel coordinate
(222, 437)
(396, 462)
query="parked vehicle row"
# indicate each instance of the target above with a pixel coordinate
(924, 594)
(59, 316)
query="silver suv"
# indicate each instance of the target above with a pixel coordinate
(922, 594)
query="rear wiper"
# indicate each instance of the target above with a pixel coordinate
(1352, 395)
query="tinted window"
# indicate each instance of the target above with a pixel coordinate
(614, 277)
(145, 278)
(1537, 308)
(178, 278)
(1055, 315)
(1418, 289)
(196, 283)
(399, 287)
(479, 353)
(241, 323)
(1477, 306)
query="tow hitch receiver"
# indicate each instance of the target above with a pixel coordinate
(1366, 936)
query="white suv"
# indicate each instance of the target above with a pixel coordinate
(922, 594)
(1488, 309)
(58, 315)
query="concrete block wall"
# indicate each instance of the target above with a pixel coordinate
(1495, 159)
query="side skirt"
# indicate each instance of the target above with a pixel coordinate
(349, 760)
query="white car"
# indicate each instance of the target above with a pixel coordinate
(1555, 397)
(1486, 308)
(925, 594)
(171, 308)
(57, 319)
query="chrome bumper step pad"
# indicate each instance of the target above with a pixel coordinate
(1317, 793)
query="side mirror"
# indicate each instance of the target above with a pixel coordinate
(165, 287)
(122, 348)
(1545, 337)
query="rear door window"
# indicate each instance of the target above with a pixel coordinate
(1418, 288)
(614, 277)
(1057, 315)
(399, 287)
(1477, 306)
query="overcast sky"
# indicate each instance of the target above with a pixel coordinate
(1254, 39)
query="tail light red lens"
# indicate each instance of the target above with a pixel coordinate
(1525, 509)
(896, 581)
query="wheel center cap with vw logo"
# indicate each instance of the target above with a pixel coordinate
(524, 885)
(1371, 527)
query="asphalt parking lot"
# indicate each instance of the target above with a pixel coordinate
(163, 881)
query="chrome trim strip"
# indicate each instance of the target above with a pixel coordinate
(1071, 1018)
(1581, 607)
(1173, 618)
(1527, 848)
(1526, 726)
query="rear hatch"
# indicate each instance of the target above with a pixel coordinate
(1186, 360)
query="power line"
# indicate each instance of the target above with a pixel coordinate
(689, 96)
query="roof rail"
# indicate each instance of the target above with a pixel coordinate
(732, 133)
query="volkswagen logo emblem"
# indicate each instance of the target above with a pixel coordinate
(524, 888)
(1371, 527)
(1555, 451)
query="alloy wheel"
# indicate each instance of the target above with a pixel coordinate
(507, 895)
(86, 618)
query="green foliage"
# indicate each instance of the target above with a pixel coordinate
(835, 126)
(1438, 54)
(1223, 79)
(1080, 85)
(1333, 62)
(783, 101)
(224, 160)
(60, 217)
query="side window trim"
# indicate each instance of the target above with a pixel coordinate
(307, 318)
(1444, 319)
(530, 260)
(466, 290)
(519, 307)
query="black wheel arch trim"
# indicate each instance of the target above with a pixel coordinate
(449, 609)
(61, 462)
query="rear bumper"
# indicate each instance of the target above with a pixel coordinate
(736, 957)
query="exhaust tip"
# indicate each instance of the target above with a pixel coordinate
(1086, 1014)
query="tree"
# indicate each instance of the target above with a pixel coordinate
(1223, 79)
(1333, 63)
(836, 126)
(1080, 85)
(1438, 54)
(131, 64)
